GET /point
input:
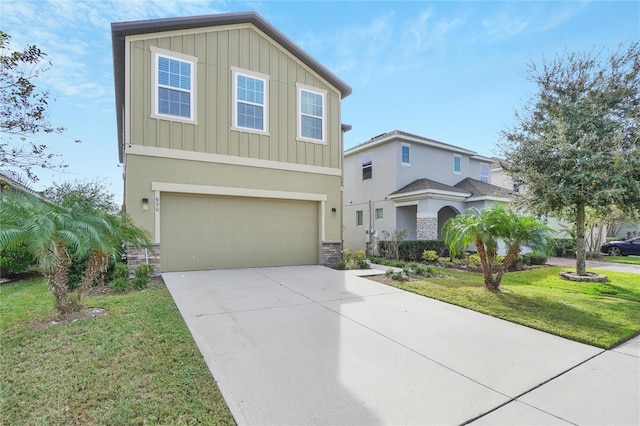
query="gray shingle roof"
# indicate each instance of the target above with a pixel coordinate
(482, 189)
(426, 184)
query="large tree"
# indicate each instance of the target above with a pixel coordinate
(576, 143)
(23, 110)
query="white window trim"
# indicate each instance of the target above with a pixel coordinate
(408, 145)
(316, 91)
(457, 172)
(235, 71)
(487, 175)
(370, 165)
(156, 53)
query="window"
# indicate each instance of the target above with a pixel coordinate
(311, 112)
(457, 169)
(367, 167)
(174, 85)
(359, 218)
(405, 154)
(250, 94)
(484, 173)
(379, 214)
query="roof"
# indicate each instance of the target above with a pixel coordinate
(120, 30)
(399, 135)
(478, 188)
(426, 184)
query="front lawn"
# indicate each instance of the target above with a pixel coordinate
(602, 315)
(135, 365)
(629, 260)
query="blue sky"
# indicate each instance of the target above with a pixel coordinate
(454, 71)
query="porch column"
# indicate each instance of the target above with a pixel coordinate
(427, 224)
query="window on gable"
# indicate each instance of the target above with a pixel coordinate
(379, 214)
(484, 173)
(367, 166)
(457, 167)
(311, 114)
(174, 85)
(250, 96)
(359, 218)
(405, 154)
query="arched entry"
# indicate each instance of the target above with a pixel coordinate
(445, 214)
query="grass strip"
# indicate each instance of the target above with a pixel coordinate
(599, 314)
(138, 364)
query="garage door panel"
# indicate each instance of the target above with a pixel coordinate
(211, 232)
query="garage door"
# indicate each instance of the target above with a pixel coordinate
(213, 232)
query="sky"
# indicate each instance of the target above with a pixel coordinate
(454, 71)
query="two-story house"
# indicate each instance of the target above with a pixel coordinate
(402, 181)
(231, 141)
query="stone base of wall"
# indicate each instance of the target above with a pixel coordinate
(427, 228)
(331, 253)
(137, 256)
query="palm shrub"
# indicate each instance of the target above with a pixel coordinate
(485, 228)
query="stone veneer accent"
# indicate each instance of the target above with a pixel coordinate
(427, 228)
(331, 253)
(137, 256)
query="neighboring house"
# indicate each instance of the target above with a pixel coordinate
(231, 141)
(10, 181)
(402, 181)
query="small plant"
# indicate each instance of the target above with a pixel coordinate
(142, 276)
(444, 259)
(474, 260)
(430, 255)
(120, 277)
(360, 260)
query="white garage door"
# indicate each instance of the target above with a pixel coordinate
(212, 232)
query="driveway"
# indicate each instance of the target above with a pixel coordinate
(311, 345)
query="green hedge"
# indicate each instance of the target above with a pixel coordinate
(563, 247)
(411, 251)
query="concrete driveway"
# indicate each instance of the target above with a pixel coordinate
(311, 345)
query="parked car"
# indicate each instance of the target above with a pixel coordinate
(622, 248)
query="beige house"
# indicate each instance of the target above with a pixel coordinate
(231, 141)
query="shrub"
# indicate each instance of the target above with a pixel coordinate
(360, 260)
(16, 261)
(119, 284)
(142, 276)
(120, 280)
(561, 247)
(444, 259)
(534, 258)
(430, 255)
(413, 250)
(474, 260)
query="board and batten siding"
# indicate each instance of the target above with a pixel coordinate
(218, 49)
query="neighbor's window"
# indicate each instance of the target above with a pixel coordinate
(457, 168)
(484, 173)
(174, 85)
(405, 154)
(367, 166)
(359, 218)
(250, 94)
(311, 113)
(379, 214)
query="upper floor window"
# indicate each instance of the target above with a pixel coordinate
(484, 173)
(405, 154)
(174, 85)
(379, 214)
(311, 114)
(367, 166)
(359, 217)
(457, 164)
(250, 95)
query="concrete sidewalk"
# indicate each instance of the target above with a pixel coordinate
(311, 345)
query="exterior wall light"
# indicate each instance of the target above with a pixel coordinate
(145, 204)
(333, 210)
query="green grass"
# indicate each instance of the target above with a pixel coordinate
(629, 260)
(599, 314)
(136, 365)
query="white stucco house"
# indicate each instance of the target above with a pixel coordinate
(398, 180)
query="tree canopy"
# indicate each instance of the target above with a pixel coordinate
(576, 142)
(23, 109)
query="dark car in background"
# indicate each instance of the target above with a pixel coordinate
(622, 248)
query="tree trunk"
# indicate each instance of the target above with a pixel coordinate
(97, 262)
(57, 280)
(581, 254)
(487, 268)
